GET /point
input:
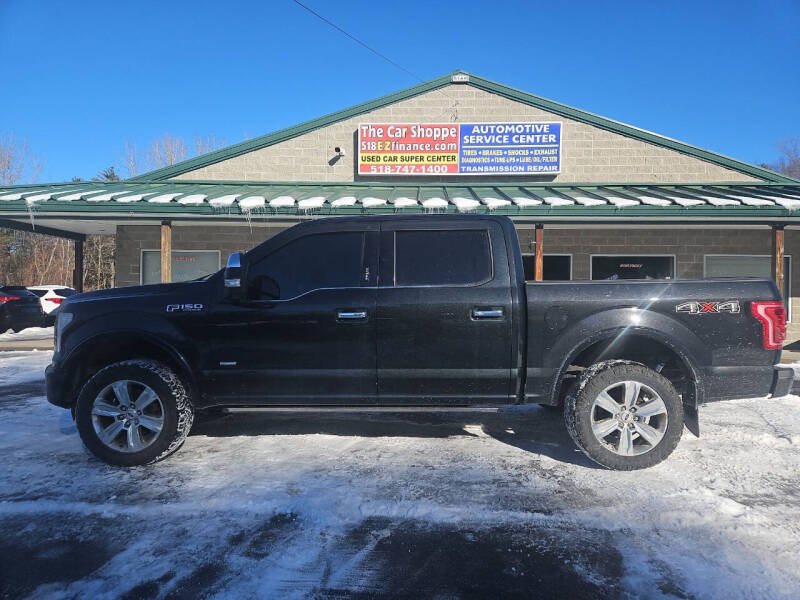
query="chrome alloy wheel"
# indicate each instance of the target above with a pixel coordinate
(629, 418)
(127, 416)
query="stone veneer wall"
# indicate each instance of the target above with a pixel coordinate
(132, 239)
(588, 152)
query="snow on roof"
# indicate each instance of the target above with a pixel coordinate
(738, 199)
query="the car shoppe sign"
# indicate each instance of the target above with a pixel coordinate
(459, 148)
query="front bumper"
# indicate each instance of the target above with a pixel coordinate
(57, 383)
(782, 381)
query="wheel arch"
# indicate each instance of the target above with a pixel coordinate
(644, 345)
(99, 351)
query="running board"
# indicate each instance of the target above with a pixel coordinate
(365, 409)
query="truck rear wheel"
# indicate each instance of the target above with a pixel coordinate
(134, 412)
(624, 416)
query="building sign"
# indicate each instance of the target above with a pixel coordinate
(459, 148)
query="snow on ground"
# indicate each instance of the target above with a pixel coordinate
(23, 366)
(31, 333)
(412, 506)
(795, 366)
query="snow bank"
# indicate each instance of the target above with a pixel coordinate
(31, 333)
(23, 367)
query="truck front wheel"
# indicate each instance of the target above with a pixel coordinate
(624, 416)
(133, 412)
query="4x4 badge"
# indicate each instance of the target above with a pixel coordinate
(701, 307)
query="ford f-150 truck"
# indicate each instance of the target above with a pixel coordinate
(412, 311)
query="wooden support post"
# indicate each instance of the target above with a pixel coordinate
(166, 251)
(777, 258)
(77, 271)
(539, 253)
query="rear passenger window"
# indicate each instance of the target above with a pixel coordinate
(450, 257)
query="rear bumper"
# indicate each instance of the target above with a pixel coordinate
(782, 381)
(729, 383)
(21, 320)
(57, 386)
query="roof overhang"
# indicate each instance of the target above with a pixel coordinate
(96, 207)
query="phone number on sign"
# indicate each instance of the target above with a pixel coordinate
(408, 169)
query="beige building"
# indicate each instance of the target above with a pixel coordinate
(604, 199)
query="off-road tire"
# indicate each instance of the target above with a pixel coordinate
(178, 411)
(578, 408)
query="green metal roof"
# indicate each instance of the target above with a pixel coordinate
(480, 83)
(239, 199)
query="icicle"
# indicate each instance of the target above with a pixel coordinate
(30, 214)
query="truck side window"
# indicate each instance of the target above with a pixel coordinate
(451, 257)
(325, 260)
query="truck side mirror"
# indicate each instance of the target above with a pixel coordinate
(266, 288)
(235, 277)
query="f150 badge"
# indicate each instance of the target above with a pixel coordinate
(701, 307)
(184, 307)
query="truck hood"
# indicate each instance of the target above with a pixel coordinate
(186, 291)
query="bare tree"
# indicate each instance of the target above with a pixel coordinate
(16, 161)
(788, 162)
(209, 143)
(99, 253)
(166, 150)
(131, 159)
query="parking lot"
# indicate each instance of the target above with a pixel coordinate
(386, 506)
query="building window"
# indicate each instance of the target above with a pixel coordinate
(556, 267)
(750, 265)
(186, 265)
(613, 266)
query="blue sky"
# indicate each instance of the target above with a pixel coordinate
(79, 79)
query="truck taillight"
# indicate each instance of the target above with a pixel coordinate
(772, 316)
(8, 298)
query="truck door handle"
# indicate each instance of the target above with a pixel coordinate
(358, 315)
(487, 313)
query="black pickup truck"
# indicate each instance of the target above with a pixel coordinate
(412, 311)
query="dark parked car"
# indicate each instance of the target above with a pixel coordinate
(19, 309)
(428, 311)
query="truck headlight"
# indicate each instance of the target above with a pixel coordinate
(62, 320)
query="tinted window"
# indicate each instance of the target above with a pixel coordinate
(326, 260)
(633, 267)
(16, 290)
(39, 293)
(66, 292)
(442, 257)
